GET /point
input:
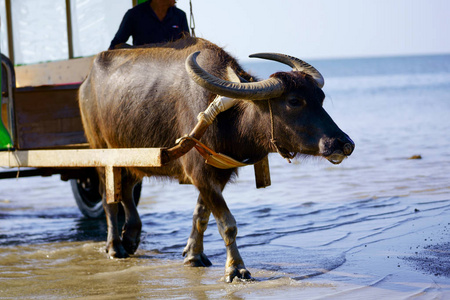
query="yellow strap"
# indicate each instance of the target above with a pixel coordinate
(215, 159)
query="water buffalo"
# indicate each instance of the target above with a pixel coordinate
(149, 97)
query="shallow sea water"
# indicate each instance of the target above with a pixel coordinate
(375, 226)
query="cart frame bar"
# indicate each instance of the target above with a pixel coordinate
(112, 160)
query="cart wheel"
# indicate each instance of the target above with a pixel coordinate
(88, 198)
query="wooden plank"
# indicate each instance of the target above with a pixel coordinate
(69, 29)
(113, 184)
(111, 159)
(125, 157)
(47, 117)
(52, 73)
(9, 28)
(262, 173)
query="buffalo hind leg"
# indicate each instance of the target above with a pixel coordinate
(226, 224)
(131, 231)
(114, 246)
(120, 246)
(193, 252)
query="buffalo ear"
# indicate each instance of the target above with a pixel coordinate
(232, 76)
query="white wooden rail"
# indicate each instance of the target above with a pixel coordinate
(110, 159)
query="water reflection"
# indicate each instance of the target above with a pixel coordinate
(23, 229)
(89, 230)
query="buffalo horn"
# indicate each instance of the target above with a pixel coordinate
(295, 63)
(261, 90)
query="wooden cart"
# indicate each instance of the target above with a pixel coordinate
(40, 113)
(47, 135)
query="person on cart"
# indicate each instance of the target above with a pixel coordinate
(154, 21)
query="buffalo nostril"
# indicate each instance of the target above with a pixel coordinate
(348, 149)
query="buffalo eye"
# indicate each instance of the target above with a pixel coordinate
(296, 102)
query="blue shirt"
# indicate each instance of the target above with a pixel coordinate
(141, 23)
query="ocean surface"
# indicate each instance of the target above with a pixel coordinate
(375, 226)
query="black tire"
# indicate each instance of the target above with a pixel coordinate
(89, 201)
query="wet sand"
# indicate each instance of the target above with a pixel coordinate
(392, 248)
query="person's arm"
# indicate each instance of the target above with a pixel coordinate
(124, 32)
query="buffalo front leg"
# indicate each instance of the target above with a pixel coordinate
(226, 224)
(234, 266)
(193, 252)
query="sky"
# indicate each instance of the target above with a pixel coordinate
(308, 29)
(324, 28)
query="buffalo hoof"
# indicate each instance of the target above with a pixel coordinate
(236, 272)
(197, 260)
(130, 245)
(116, 250)
(131, 237)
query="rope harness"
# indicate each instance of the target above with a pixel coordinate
(191, 19)
(213, 158)
(223, 161)
(282, 151)
(216, 159)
